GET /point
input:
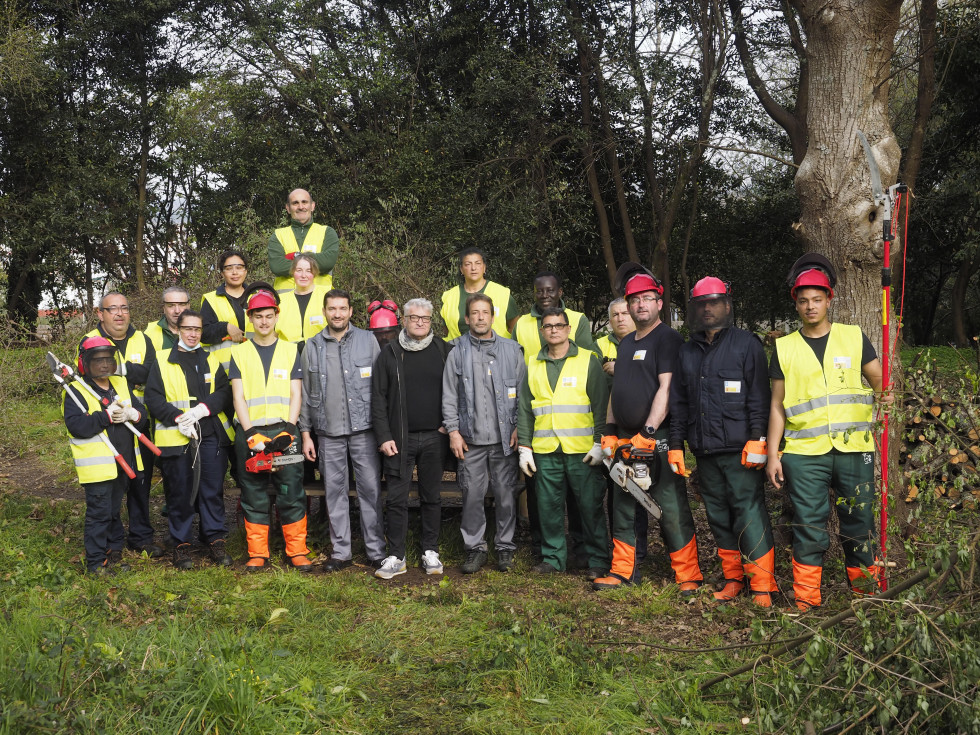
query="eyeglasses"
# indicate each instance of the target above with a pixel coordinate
(634, 300)
(175, 303)
(556, 327)
(416, 319)
(115, 309)
(233, 268)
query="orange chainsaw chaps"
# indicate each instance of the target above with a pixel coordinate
(731, 563)
(865, 581)
(257, 538)
(295, 536)
(806, 584)
(684, 562)
(762, 572)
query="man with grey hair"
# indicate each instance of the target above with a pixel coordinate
(407, 413)
(163, 333)
(479, 409)
(620, 324)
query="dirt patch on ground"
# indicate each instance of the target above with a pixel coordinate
(25, 475)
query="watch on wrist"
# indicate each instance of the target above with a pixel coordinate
(649, 430)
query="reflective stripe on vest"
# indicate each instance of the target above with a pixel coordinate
(827, 407)
(93, 460)
(293, 329)
(563, 415)
(311, 244)
(527, 335)
(499, 295)
(178, 396)
(225, 313)
(267, 400)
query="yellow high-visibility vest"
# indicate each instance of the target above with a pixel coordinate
(267, 400)
(291, 327)
(608, 348)
(827, 407)
(451, 299)
(527, 334)
(312, 244)
(563, 415)
(93, 460)
(225, 313)
(136, 349)
(178, 395)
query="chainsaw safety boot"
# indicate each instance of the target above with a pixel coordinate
(296, 550)
(732, 589)
(257, 539)
(761, 599)
(623, 571)
(689, 589)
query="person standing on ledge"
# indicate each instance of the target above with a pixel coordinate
(302, 235)
(473, 269)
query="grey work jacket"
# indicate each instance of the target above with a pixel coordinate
(458, 386)
(358, 349)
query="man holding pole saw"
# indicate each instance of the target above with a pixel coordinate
(105, 452)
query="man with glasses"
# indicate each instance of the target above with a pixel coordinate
(134, 355)
(406, 405)
(302, 235)
(479, 408)
(638, 415)
(558, 435)
(163, 333)
(337, 367)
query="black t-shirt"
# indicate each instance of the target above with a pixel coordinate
(819, 347)
(423, 388)
(639, 365)
(303, 299)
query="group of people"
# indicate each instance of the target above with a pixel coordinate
(267, 376)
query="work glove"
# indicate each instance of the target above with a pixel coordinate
(610, 443)
(256, 441)
(525, 458)
(188, 430)
(675, 458)
(754, 455)
(192, 415)
(641, 440)
(594, 455)
(119, 413)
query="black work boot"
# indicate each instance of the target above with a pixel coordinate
(182, 557)
(216, 549)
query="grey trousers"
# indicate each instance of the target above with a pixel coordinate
(485, 466)
(367, 475)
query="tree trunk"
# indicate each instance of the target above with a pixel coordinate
(968, 266)
(141, 191)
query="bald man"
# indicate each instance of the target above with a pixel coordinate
(302, 235)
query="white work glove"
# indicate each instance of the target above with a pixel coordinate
(118, 413)
(188, 430)
(192, 415)
(594, 456)
(525, 458)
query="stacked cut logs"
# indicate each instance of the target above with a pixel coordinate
(940, 451)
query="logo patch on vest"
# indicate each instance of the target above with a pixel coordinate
(842, 363)
(512, 392)
(136, 357)
(278, 374)
(640, 355)
(307, 248)
(316, 319)
(207, 377)
(365, 372)
(569, 382)
(733, 386)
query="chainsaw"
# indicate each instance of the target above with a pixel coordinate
(636, 471)
(277, 452)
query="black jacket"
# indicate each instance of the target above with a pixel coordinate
(388, 402)
(719, 393)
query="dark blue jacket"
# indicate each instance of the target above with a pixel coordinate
(719, 393)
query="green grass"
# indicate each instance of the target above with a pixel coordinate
(950, 363)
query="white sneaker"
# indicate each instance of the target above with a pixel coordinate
(431, 563)
(392, 566)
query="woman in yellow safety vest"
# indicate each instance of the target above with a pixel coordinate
(224, 318)
(472, 267)
(301, 310)
(191, 399)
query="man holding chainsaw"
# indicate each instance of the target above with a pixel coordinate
(134, 354)
(558, 435)
(189, 397)
(719, 403)
(337, 367)
(823, 411)
(638, 415)
(267, 390)
(96, 433)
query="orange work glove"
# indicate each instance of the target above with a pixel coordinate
(640, 441)
(256, 442)
(675, 457)
(754, 454)
(610, 443)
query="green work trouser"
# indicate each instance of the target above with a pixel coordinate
(851, 475)
(557, 474)
(286, 482)
(735, 502)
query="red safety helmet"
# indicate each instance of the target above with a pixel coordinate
(710, 288)
(812, 278)
(384, 314)
(90, 347)
(263, 299)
